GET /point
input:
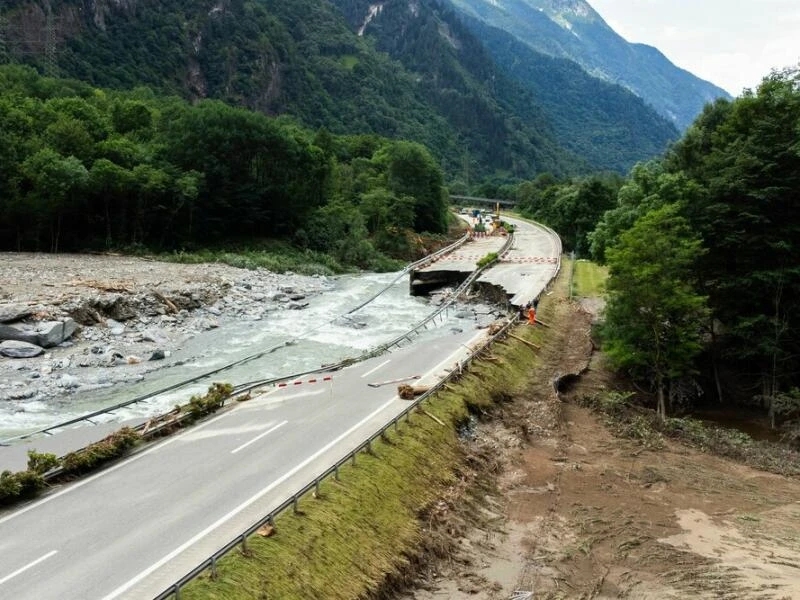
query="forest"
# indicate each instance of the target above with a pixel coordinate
(83, 168)
(703, 250)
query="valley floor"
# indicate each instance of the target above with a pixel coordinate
(579, 513)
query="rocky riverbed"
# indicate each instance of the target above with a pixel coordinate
(130, 316)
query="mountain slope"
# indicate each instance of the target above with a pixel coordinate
(606, 124)
(494, 114)
(572, 29)
(280, 57)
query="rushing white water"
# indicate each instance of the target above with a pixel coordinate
(318, 342)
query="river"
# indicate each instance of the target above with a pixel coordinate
(318, 342)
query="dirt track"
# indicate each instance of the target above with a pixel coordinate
(580, 513)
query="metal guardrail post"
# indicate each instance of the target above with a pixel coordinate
(294, 504)
(316, 487)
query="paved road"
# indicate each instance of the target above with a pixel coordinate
(524, 271)
(133, 529)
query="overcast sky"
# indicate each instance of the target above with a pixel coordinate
(732, 43)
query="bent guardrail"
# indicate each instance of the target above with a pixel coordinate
(173, 591)
(184, 383)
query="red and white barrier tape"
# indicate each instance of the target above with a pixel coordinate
(301, 382)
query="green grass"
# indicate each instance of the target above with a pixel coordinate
(367, 527)
(590, 279)
(278, 259)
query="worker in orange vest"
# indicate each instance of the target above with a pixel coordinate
(531, 316)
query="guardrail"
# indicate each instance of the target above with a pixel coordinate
(210, 563)
(144, 397)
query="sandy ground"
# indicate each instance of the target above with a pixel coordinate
(579, 513)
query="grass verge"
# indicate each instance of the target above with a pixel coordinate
(590, 279)
(366, 530)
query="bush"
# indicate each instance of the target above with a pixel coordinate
(488, 259)
(114, 446)
(19, 486)
(42, 463)
(200, 406)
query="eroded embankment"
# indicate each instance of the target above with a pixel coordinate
(369, 533)
(402, 507)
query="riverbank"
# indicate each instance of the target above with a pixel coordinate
(133, 315)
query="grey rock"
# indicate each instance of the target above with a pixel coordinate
(214, 311)
(157, 355)
(296, 305)
(115, 327)
(279, 297)
(17, 349)
(19, 333)
(154, 336)
(45, 333)
(13, 312)
(296, 297)
(68, 382)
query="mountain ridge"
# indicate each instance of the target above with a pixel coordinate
(573, 29)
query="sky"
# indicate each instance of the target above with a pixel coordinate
(731, 43)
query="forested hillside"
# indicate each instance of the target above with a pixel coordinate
(280, 57)
(411, 71)
(500, 122)
(572, 29)
(85, 168)
(607, 124)
(704, 252)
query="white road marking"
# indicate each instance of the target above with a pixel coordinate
(157, 565)
(317, 392)
(28, 566)
(74, 486)
(371, 371)
(258, 437)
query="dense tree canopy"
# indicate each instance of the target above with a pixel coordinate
(86, 168)
(735, 179)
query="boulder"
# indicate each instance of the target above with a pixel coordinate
(52, 333)
(68, 382)
(16, 349)
(13, 312)
(115, 327)
(45, 333)
(157, 355)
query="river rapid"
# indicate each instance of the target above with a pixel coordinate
(110, 363)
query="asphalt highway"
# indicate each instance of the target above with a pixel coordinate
(133, 529)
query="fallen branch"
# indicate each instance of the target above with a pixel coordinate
(531, 344)
(434, 417)
(172, 308)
